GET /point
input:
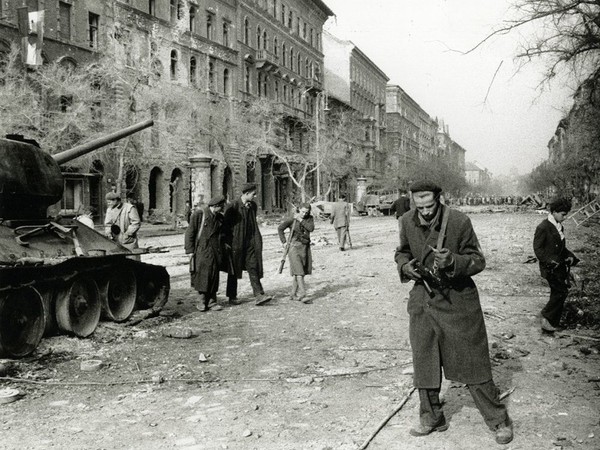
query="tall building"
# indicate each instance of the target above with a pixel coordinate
(226, 51)
(411, 132)
(354, 82)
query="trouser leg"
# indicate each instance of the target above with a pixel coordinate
(488, 403)
(257, 288)
(294, 285)
(341, 236)
(558, 294)
(232, 284)
(430, 409)
(301, 286)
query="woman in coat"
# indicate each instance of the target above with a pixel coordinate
(299, 255)
(203, 245)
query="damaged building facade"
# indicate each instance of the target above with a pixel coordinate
(225, 52)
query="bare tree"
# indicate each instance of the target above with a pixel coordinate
(564, 33)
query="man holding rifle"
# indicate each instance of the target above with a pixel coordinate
(440, 252)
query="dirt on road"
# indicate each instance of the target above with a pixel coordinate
(288, 375)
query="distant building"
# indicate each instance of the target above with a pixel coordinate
(353, 81)
(475, 175)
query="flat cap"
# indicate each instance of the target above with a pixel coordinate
(248, 187)
(425, 186)
(112, 196)
(216, 200)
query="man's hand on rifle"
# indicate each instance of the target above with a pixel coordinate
(409, 270)
(443, 259)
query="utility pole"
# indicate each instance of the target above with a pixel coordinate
(317, 145)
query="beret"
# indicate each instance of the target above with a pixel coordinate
(112, 196)
(216, 200)
(425, 186)
(248, 187)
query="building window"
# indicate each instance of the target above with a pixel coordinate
(275, 47)
(173, 10)
(312, 37)
(258, 38)
(283, 54)
(265, 40)
(304, 31)
(285, 93)
(259, 90)
(174, 61)
(193, 71)
(276, 90)
(209, 26)
(211, 75)
(299, 64)
(265, 85)
(291, 58)
(65, 102)
(226, 81)
(274, 7)
(290, 20)
(152, 7)
(64, 11)
(306, 68)
(246, 31)
(73, 195)
(93, 20)
(247, 78)
(192, 19)
(283, 13)
(226, 34)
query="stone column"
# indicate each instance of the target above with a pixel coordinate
(200, 183)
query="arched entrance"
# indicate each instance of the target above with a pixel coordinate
(176, 194)
(155, 189)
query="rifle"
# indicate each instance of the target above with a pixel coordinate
(287, 247)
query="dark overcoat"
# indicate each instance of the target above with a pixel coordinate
(447, 330)
(241, 231)
(549, 246)
(206, 249)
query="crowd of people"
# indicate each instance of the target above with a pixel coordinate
(439, 251)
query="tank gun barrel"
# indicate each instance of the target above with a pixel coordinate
(80, 150)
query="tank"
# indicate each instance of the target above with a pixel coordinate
(58, 275)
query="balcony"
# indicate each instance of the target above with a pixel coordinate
(266, 60)
(314, 85)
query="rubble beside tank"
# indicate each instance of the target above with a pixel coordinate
(57, 275)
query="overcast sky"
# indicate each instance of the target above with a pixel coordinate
(409, 41)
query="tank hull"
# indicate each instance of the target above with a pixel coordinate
(79, 275)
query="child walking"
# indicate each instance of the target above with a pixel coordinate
(299, 255)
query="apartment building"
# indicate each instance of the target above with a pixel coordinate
(353, 81)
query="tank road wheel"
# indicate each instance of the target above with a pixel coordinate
(22, 322)
(78, 307)
(118, 294)
(153, 287)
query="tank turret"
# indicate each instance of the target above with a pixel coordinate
(58, 275)
(31, 179)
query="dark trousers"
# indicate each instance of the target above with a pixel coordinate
(484, 395)
(232, 283)
(559, 290)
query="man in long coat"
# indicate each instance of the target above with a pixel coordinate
(340, 219)
(203, 245)
(242, 234)
(446, 329)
